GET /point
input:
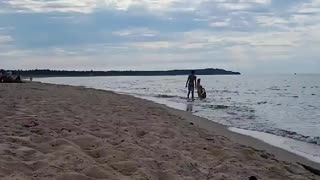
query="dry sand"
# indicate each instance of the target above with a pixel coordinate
(65, 133)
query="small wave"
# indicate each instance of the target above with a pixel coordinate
(263, 102)
(284, 133)
(249, 93)
(168, 96)
(218, 106)
(232, 113)
(292, 134)
(165, 96)
(223, 91)
(274, 88)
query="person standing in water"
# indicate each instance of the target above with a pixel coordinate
(191, 84)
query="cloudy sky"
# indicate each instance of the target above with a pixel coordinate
(251, 36)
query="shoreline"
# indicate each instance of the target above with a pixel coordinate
(244, 139)
(63, 132)
(260, 136)
(281, 152)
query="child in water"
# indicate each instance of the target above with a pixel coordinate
(201, 91)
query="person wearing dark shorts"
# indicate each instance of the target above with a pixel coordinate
(191, 84)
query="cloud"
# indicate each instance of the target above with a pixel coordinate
(88, 6)
(118, 34)
(312, 6)
(136, 32)
(36, 6)
(221, 23)
(5, 39)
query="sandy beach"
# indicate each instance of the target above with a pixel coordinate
(65, 133)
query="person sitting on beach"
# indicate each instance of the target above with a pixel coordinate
(2, 78)
(200, 90)
(18, 78)
(191, 83)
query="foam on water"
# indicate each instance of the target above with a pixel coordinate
(307, 150)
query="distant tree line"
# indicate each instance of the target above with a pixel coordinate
(54, 73)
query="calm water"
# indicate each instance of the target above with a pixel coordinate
(283, 105)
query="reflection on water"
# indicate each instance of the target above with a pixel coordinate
(189, 107)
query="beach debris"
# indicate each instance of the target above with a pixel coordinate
(30, 124)
(265, 156)
(141, 133)
(311, 169)
(210, 139)
(38, 131)
(252, 178)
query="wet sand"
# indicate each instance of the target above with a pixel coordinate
(63, 132)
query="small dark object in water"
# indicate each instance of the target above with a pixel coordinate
(191, 123)
(220, 107)
(252, 178)
(264, 102)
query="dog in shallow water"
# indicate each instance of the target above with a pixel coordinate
(252, 178)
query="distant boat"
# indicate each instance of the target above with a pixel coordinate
(295, 73)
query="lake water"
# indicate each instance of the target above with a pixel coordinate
(284, 106)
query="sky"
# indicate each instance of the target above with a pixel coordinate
(250, 36)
